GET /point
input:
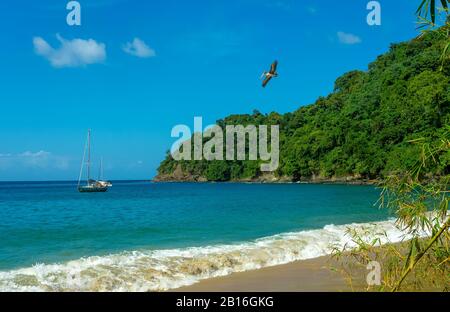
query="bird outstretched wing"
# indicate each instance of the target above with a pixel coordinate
(266, 81)
(273, 67)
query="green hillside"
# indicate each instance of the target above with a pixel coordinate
(361, 130)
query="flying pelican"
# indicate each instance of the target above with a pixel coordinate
(270, 74)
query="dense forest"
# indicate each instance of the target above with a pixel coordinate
(362, 130)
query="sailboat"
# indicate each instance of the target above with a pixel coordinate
(100, 180)
(91, 186)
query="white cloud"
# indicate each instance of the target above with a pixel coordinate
(279, 4)
(28, 159)
(39, 159)
(347, 38)
(71, 53)
(138, 48)
(35, 155)
(311, 9)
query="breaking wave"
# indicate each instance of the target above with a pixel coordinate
(158, 270)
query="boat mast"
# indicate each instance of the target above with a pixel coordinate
(82, 163)
(88, 164)
(100, 174)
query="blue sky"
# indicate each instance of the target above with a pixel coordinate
(192, 58)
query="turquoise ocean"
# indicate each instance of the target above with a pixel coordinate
(143, 236)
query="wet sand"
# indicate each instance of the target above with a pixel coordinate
(306, 275)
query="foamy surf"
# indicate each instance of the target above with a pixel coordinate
(158, 270)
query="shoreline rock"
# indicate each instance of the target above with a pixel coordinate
(178, 175)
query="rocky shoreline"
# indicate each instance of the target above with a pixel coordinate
(178, 175)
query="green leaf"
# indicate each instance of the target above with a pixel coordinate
(433, 11)
(421, 6)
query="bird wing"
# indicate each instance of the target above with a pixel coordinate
(273, 68)
(266, 81)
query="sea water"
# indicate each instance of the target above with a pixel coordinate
(144, 236)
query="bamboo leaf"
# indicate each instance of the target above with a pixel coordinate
(421, 6)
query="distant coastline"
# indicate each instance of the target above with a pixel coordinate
(67, 181)
(181, 176)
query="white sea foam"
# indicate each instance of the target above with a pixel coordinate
(156, 270)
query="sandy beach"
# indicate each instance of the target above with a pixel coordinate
(305, 275)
